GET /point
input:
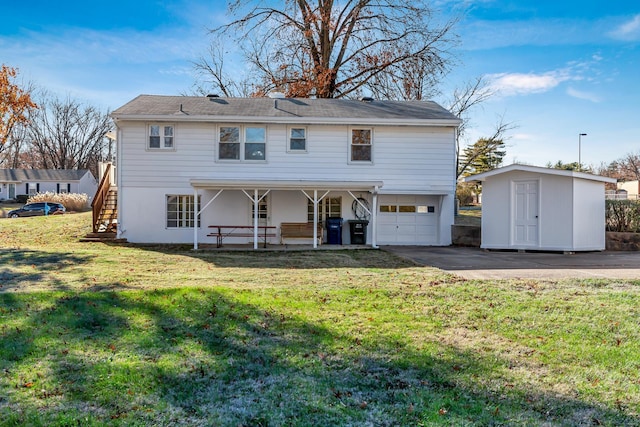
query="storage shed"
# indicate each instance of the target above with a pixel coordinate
(535, 208)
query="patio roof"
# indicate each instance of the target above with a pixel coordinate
(283, 184)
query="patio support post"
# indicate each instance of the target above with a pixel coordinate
(315, 219)
(374, 217)
(255, 218)
(195, 220)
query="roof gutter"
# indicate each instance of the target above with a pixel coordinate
(285, 120)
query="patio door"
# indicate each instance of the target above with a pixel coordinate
(525, 213)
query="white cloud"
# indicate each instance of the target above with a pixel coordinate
(509, 84)
(629, 31)
(523, 137)
(583, 95)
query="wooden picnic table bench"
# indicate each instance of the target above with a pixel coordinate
(299, 230)
(223, 231)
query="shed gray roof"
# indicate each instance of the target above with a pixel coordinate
(57, 175)
(282, 110)
(538, 170)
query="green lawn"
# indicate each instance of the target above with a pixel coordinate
(97, 334)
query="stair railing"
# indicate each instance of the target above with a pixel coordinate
(100, 197)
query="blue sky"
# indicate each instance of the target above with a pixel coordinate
(559, 68)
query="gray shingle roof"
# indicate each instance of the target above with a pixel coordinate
(296, 109)
(57, 175)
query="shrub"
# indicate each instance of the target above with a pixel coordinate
(623, 215)
(22, 198)
(73, 202)
(465, 193)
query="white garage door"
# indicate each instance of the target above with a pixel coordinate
(408, 220)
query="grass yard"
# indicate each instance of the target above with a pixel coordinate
(97, 334)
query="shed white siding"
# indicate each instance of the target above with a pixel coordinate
(571, 210)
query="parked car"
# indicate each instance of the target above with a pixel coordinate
(37, 209)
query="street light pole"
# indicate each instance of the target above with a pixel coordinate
(580, 135)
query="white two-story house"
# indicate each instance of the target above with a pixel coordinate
(203, 161)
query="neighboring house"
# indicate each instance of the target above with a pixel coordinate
(534, 208)
(266, 161)
(631, 189)
(15, 182)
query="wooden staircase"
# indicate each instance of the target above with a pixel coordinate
(105, 211)
(107, 220)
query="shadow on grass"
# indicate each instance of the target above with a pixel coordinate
(201, 357)
(19, 267)
(296, 259)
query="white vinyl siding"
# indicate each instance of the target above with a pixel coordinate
(408, 159)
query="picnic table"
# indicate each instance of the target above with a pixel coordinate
(220, 232)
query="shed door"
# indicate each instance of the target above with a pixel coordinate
(525, 215)
(407, 220)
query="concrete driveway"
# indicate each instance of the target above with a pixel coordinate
(475, 263)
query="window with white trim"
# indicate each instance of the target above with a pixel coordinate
(297, 139)
(263, 210)
(161, 137)
(33, 188)
(64, 188)
(329, 207)
(361, 145)
(246, 143)
(181, 211)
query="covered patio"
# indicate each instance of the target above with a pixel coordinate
(257, 190)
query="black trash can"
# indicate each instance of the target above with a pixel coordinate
(358, 232)
(334, 231)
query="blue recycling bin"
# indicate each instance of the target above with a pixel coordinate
(334, 231)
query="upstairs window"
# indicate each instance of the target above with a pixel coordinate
(242, 143)
(161, 137)
(229, 143)
(361, 145)
(298, 139)
(254, 145)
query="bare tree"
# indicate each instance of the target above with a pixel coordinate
(12, 154)
(211, 69)
(464, 100)
(332, 48)
(66, 134)
(626, 168)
